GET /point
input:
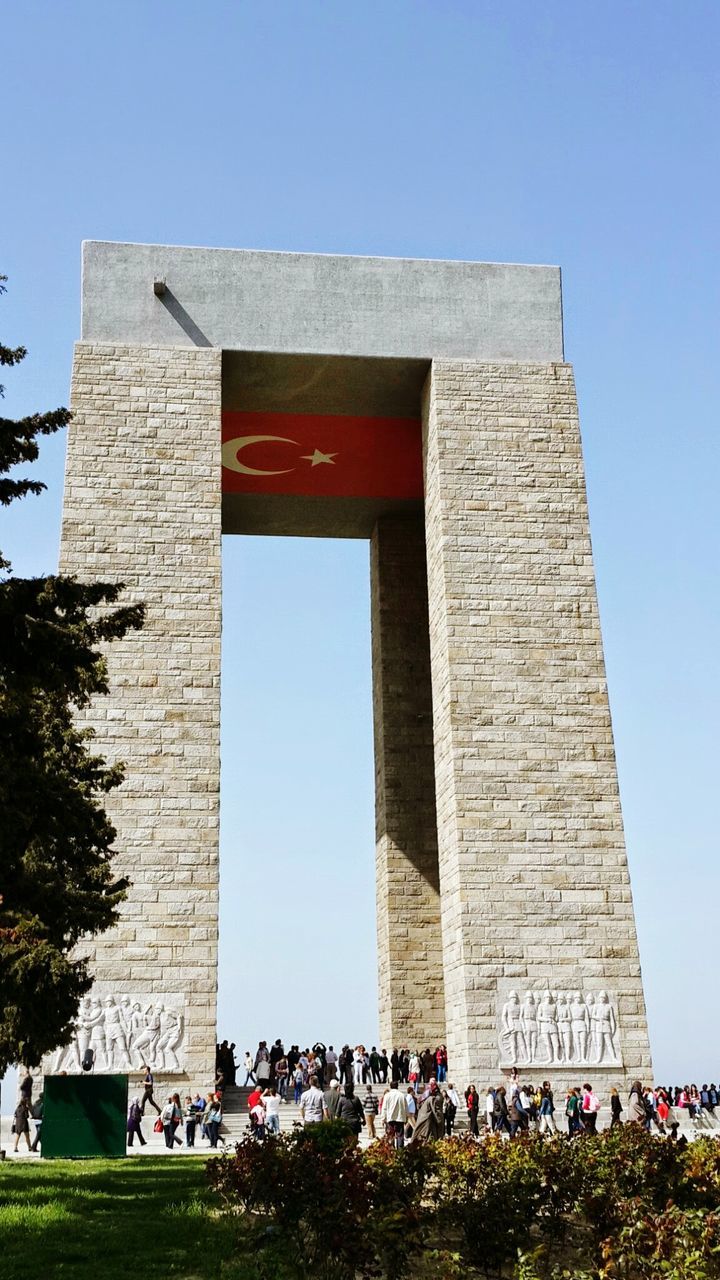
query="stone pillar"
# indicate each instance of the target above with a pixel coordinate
(408, 906)
(142, 506)
(533, 873)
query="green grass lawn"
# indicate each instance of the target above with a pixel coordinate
(113, 1220)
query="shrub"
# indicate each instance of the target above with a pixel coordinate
(622, 1205)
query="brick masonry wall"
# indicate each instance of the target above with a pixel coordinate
(142, 505)
(533, 870)
(410, 976)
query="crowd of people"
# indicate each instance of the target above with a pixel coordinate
(356, 1066)
(415, 1101)
(418, 1101)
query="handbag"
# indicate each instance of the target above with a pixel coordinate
(158, 1126)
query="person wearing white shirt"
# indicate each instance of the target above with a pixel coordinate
(489, 1108)
(454, 1096)
(312, 1104)
(271, 1103)
(395, 1113)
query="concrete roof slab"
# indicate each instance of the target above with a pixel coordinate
(320, 304)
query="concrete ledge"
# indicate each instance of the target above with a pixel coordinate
(249, 300)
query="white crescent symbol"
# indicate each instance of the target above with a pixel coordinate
(231, 449)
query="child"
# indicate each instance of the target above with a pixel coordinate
(190, 1122)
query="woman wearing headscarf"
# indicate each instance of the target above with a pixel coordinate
(430, 1122)
(636, 1106)
(134, 1125)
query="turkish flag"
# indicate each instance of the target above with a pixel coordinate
(321, 455)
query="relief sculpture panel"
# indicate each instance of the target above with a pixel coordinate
(546, 1028)
(124, 1033)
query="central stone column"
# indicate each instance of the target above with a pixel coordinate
(410, 974)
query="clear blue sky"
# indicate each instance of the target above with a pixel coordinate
(585, 135)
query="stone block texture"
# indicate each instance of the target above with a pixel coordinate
(142, 506)
(410, 964)
(533, 873)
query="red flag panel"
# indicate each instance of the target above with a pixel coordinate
(321, 455)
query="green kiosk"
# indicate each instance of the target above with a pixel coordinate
(84, 1117)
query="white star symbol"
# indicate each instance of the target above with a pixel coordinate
(317, 457)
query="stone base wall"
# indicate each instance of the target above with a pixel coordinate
(142, 506)
(410, 969)
(533, 872)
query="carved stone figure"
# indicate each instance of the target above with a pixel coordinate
(115, 1040)
(530, 1026)
(170, 1036)
(580, 1025)
(136, 1026)
(512, 1040)
(564, 1027)
(548, 1034)
(125, 1032)
(125, 1011)
(96, 1020)
(603, 1029)
(147, 1042)
(552, 1027)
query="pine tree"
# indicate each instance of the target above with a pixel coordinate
(57, 886)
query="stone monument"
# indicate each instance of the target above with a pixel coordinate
(426, 407)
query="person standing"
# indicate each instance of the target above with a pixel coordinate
(395, 1113)
(320, 1051)
(430, 1121)
(384, 1066)
(167, 1116)
(148, 1083)
(572, 1111)
(412, 1110)
(589, 1108)
(232, 1066)
(281, 1077)
(370, 1108)
(636, 1105)
(332, 1099)
(547, 1109)
(350, 1111)
(213, 1119)
(374, 1065)
(191, 1116)
(489, 1106)
(312, 1104)
(37, 1114)
(298, 1080)
(262, 1064)
(449, 1113)
(134, 1126)
(616, 1108)
(331, 1060)
(271, 1103)
(21, 1121)
(500, 1110)
(472, 1103)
